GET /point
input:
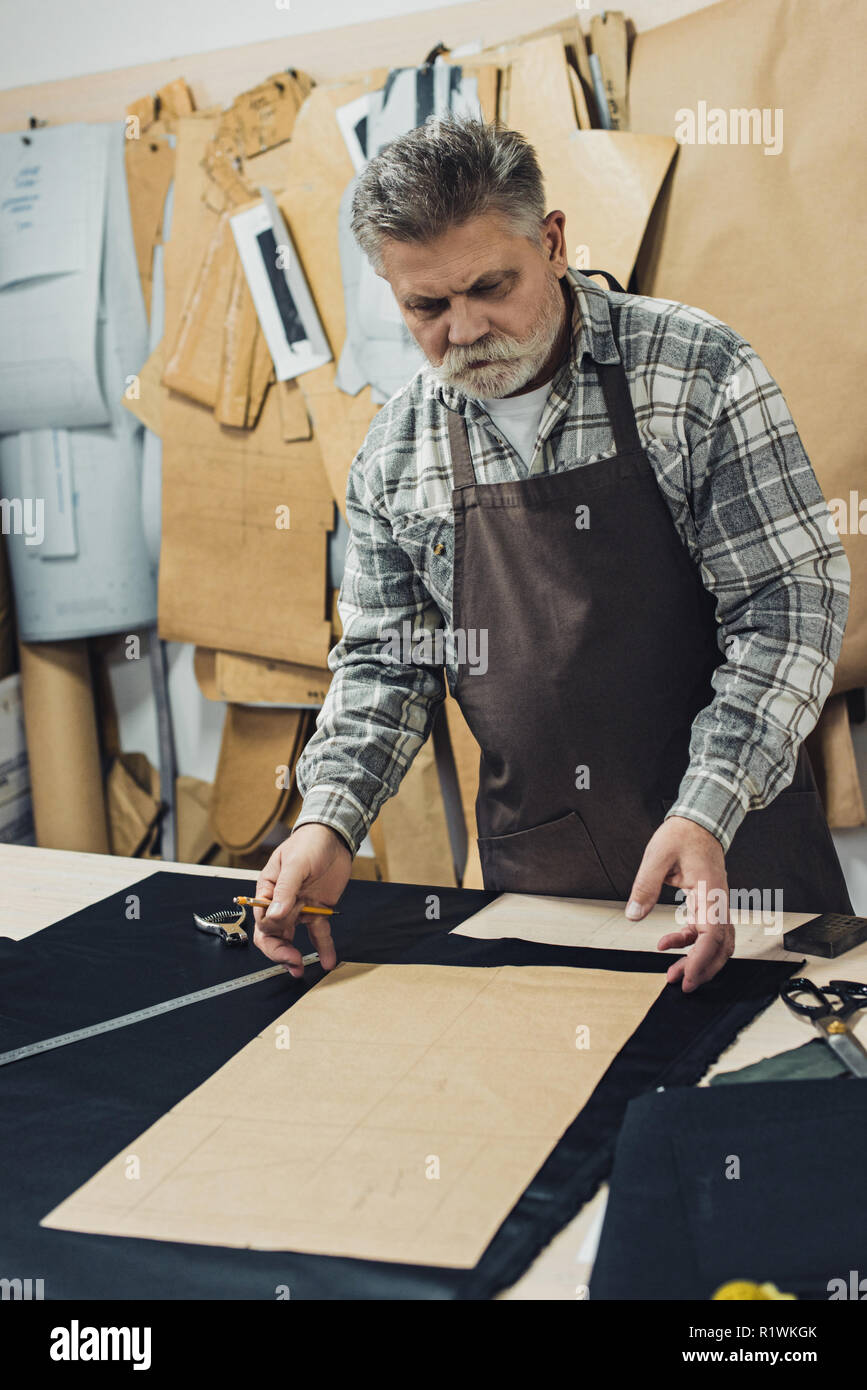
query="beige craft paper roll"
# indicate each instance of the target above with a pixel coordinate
(63, 747)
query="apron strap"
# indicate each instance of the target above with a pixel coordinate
(462, 464)
(618, 402)
(615, 387)
(621, 413)
(612, 283)
(612, 379)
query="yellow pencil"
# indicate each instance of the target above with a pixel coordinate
(266, 902)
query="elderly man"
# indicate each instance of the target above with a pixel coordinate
(606, 494)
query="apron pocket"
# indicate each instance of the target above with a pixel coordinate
(557, 858)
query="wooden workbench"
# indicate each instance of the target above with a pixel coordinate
(40, 886)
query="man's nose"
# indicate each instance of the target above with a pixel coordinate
(466, 325)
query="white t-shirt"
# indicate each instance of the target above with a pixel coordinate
(518, 417)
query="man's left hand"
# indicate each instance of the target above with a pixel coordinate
(685, 855)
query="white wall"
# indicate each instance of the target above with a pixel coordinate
(55, 38)
(48, 39)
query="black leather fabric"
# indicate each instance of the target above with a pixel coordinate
(678, 1226)
(67, 1112)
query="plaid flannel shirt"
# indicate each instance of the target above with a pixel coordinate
(742, 494)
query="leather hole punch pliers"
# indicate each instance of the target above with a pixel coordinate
(226, 924)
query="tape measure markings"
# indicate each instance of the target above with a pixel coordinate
(152, 1011)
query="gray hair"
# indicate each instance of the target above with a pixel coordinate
(439, 175)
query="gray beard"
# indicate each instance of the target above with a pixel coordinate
(504, 377)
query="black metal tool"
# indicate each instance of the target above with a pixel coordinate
(831, 1007)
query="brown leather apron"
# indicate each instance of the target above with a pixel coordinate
(601, 643)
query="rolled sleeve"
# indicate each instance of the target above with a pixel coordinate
(379, 709)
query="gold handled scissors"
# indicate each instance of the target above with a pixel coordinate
(833, 1004)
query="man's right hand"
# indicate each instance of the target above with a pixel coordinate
(312, 865)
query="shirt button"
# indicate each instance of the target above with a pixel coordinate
(438, 548)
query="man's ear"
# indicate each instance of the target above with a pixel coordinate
(555, 239)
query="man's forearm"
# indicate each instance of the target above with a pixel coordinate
(763, 535)
(744, 745)
(369, 730)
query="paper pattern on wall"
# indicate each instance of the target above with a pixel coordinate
(283, 302)
(52, 211)
(379, 349)
(758, 232)
(317, 171)
(234, 579)
(86, 570)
